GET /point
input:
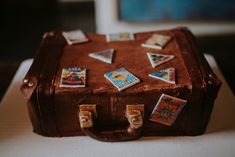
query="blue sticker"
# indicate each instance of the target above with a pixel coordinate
(122, 78)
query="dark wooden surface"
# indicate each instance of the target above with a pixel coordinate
(23, 27)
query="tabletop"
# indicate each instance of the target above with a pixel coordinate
(17, 138)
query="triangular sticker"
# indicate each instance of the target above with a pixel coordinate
(167, 75)
(157, 59)
(104, 56)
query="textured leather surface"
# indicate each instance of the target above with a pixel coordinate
(55, 111)
(128, 54)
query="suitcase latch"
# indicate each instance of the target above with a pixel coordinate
(135, 115)
(86, 115)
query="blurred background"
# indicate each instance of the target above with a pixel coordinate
(25, 21)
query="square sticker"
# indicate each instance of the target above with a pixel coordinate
(73, 77)
(122, 78)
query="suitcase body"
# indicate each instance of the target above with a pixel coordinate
(55, 111)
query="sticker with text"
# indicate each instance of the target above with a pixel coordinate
(73, 77)
(119, 37)
(122, 78)
(167, 109)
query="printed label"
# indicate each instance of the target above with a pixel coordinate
(157, 41)
(73, 77)
(167, 75)
(74, 37)
(122, 78)
(119, 37)
(157, 59)
(167, 109)
(104, 56)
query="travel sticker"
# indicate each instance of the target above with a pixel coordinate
(104, 56)
(156, 41)
(167, 75)
(125, 36)
(73, 77)
(157, 59)
(167, 109)
(121, 78)
(74, 37)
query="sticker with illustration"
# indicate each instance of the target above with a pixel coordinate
(73, 77)
(121, 78)
(104, 55)
(156, 41)
(167, 109)
(125, 36)
(74, 37)
(167, 75)
(157, 59)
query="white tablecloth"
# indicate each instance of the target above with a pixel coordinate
(18, 140)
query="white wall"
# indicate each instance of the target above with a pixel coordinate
(107, 21)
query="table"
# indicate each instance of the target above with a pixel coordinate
(17, 138)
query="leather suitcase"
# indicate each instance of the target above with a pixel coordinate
(57, 112)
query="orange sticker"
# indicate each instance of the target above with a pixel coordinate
(167, 109)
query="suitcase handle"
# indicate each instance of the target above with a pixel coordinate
(134, 114)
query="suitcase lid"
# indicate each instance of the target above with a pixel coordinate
(54, 55)
(129, 55)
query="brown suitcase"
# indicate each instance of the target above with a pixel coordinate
(55, 111)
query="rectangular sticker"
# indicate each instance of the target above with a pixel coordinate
(156, 41)
(74, 37)
(119, 37)
(167, 109)
(122, 78)
(73, 77)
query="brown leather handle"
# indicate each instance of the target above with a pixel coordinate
(134, 114)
